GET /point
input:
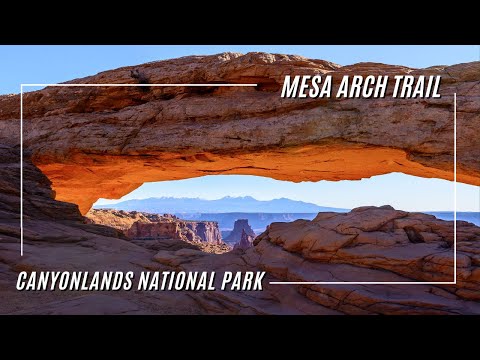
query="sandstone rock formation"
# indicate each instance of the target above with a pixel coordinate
(123, 220)
(141, 225)
(246, 242)
(412, 245)
(240, 226)
(207, 231)
(368, 244)
(159, 230)
(106, 141)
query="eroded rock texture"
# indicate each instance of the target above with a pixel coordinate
(137, 225)
(411, 245)
(367, 244)
(106, 141)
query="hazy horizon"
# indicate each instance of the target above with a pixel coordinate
(261, 212)
(104, 203)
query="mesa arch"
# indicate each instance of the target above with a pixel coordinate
(107, 141)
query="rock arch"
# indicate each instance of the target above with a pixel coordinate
(105, 142)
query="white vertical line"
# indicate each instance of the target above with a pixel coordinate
(455, 187)
(21, 170)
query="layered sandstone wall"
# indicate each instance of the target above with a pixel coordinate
(142, 225)
(157, 230)
(207, 231)
(118, 219)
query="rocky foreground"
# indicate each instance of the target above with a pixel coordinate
(367, 244)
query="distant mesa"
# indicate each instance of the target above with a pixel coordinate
(241, 226)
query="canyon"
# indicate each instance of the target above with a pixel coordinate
(82, 144)
(166, 225)
(143, 227)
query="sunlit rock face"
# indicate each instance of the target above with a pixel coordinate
(94, 142)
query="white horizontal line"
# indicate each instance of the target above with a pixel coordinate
(362, 283)
(135, 85)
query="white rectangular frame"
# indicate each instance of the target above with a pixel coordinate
(271, 282)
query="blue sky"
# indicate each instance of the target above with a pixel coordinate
(50, 64)
(399, 190)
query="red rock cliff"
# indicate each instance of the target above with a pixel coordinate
(140, 225)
